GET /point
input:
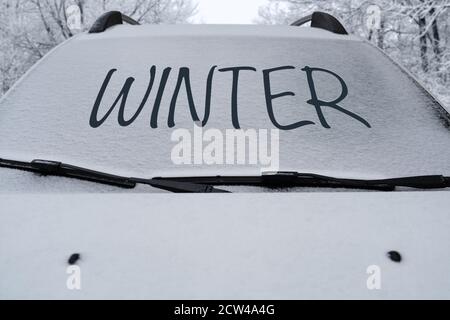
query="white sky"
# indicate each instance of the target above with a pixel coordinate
(228, 11)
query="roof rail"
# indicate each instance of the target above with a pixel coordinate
(322, 20)
(110, 19)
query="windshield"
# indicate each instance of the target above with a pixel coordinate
(214, 100)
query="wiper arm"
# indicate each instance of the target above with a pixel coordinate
(291, 179)
(54, 168)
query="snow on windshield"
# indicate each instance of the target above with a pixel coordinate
(341, 107)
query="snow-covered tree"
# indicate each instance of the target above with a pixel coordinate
(30, 28)
(414, 32)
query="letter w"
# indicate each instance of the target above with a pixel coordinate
(122, 97)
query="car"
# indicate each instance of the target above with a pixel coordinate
(223, 162)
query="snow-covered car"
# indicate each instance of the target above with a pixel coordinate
(117, 179)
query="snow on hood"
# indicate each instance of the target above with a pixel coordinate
(239, 246)
(395, 127)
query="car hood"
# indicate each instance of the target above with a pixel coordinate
(240, 246)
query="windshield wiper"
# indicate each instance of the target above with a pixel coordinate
(55, 168)
(205, 184)
(290, 179)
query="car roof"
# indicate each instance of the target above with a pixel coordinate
(47, 113)
(215, 30)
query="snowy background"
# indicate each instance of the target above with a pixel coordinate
(416, 33)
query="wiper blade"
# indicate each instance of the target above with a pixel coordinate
(309, 179)
(55, 168)
(290, 179)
